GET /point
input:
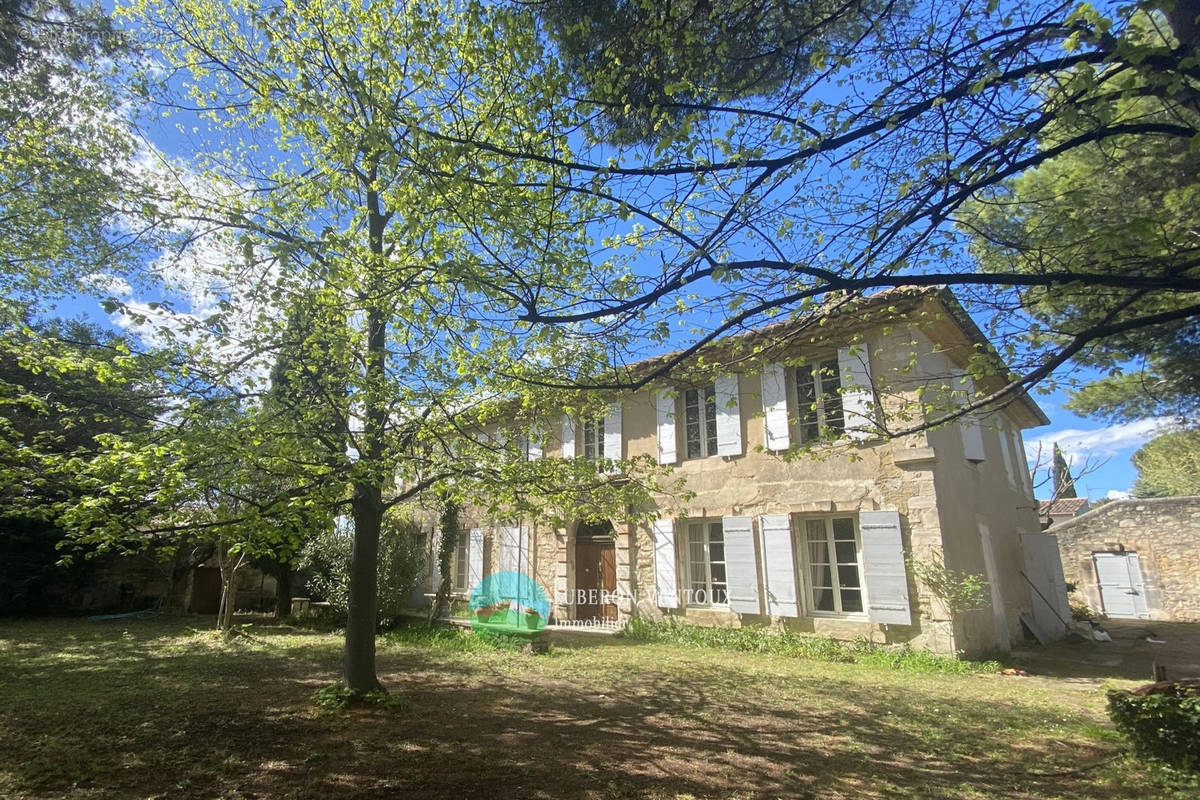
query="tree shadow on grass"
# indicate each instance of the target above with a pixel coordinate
(121, 718)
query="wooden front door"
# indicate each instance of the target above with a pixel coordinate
(595, 574)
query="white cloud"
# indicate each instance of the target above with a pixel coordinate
(1116, 494)
(109, 285)
(1095, 444)
(203, 292)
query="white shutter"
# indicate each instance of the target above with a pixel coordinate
(1006, 455)
(474, 558)
(972, 437)
(509, 544)
(858, 396)
(883, 562)
(568, 437)
(664, 563)
(775, 411)
(972, 434)
(536, 436)
(612, 433)
(741, 567)
(1020, 463)
(435, 570)
(665, 405)
(779, 567)
(729, 417)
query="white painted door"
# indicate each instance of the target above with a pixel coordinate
(1048, 587)
(1121, 588)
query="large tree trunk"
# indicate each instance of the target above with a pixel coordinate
(283, 590)
(367, 503)
(363, 595)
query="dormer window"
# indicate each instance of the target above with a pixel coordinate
(700, 420)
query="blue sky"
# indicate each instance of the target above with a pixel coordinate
(1100, 452)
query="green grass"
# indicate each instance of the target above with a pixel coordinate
(795, 645)
(453, 640)
(165, 708)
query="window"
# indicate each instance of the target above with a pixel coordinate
(834, 573)
(461, 561)
(593, 438)
(706, 564)
(700, 421)
(819, 400)
(529, 445)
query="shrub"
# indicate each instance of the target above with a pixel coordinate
(1161, 721)
(795, 645)
(1082, 612)
(401, 563)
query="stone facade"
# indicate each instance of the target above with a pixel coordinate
(1164, 533)
(961, 492)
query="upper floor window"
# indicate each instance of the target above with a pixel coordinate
(593, 438)
(832, 555)
(819, 400)
(700, 421)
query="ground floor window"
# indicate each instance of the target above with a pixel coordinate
(706, 564)
(832, 556)
(461, 562)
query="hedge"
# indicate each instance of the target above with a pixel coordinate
(1161, 720)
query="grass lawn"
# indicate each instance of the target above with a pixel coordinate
(161, 708)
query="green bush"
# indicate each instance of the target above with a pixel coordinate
(326, 558)
(795, 645)
(1163, 724)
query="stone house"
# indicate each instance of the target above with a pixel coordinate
(1052, 511)
(821, 542)
(1137, 558)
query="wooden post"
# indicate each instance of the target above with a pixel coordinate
(1160, 672)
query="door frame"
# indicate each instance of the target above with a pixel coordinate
(602, 536)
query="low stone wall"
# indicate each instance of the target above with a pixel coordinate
(1164, 532)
